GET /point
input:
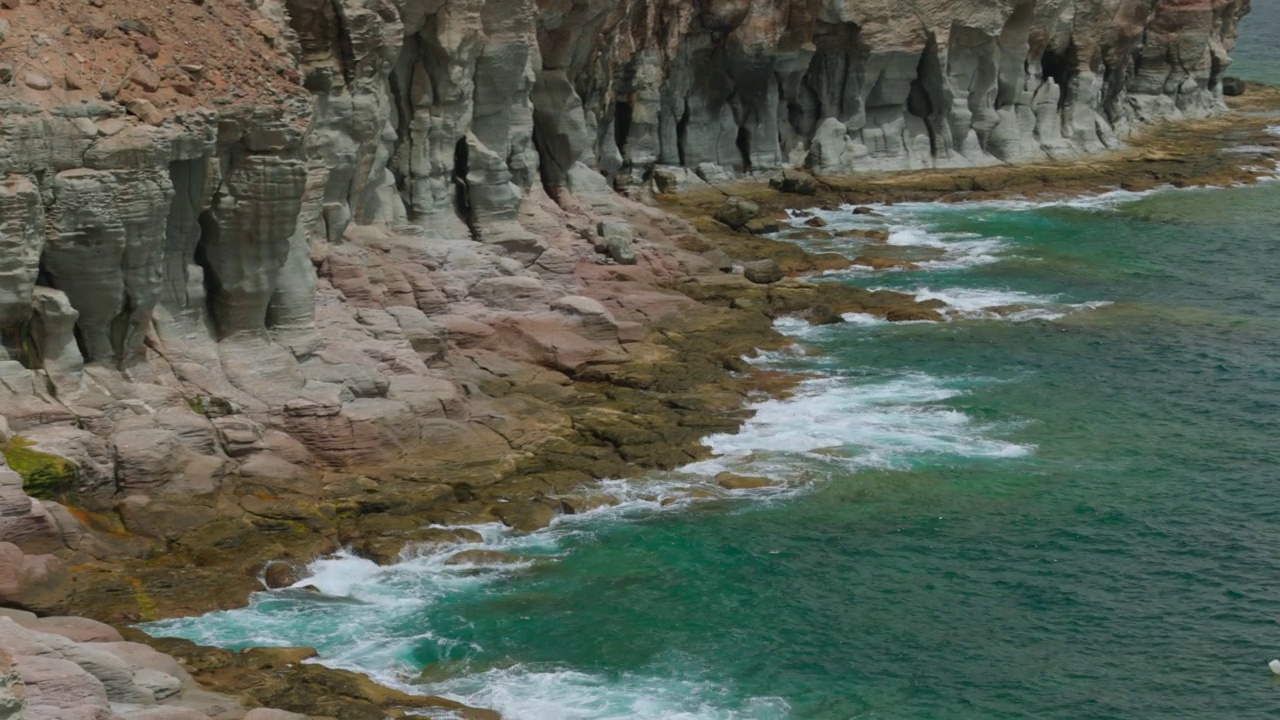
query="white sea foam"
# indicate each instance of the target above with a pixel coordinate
(378, 620)
(341, 575)
(915, 212)
(883, 423)
(1273, 130)
(977, 300)
(863, 319)
(522, 693)
(992, 303)
(1252, 150)
(358, 621)
(959, 250)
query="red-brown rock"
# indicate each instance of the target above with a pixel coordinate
(147, 46)
(145, 78)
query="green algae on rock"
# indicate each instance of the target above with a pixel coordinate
(44, 475)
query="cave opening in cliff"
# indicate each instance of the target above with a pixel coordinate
(682, 135)
(462, 187)
(925, 97)
(1060, 66)
(208, 234)
(743, 142)
(622, 127)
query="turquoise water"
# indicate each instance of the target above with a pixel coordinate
(1061, 509)
(1257, 55)
(1064, 503)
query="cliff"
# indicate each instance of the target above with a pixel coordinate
(242, 245)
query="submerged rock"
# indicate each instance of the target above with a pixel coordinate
(483, 557)
(731, 481)
(877, 262)
(278, 575)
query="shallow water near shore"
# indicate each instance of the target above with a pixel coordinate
(1064, 502)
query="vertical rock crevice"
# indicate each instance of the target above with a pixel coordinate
(462, 185)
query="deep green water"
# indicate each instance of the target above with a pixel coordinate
(1070, 514)
(1062, 503)
(1257, 55)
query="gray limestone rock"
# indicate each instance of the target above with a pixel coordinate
(182, 290)
(795, 183)
(736, 212)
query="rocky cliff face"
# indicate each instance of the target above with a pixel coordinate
(242, 242)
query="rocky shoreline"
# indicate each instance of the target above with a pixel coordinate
(685, 379)
(288, 277)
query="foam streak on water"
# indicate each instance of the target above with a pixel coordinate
(360, 620)
(558, 694)
(885, 424)
(971, 520)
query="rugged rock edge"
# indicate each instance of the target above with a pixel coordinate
(285, 277)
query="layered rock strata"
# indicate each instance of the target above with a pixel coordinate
(76, 669)
(244, 245)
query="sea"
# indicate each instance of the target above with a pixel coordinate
(1061, 503)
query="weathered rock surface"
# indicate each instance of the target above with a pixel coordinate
(279, 276)
(13, 694)
(289, 260)
(49, 675)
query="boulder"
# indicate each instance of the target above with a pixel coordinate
(736, 212)
(36, 81)
(147, 46)
(144, 111)
(762, 226)
(610, 232)
(823, 315)
(622, 251)
(279, 574)
(145, 78)
(1234, 86)
(796, 183)
(762, 272)
(719, 260)
(525, 516)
